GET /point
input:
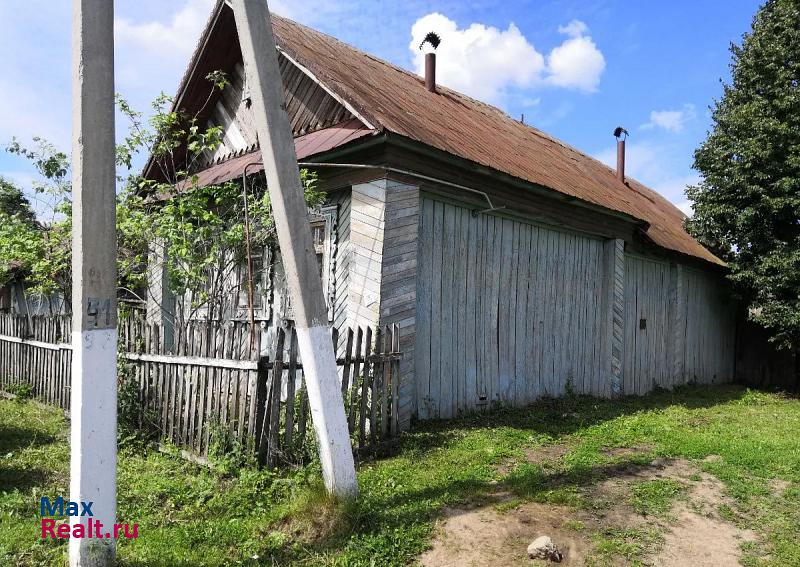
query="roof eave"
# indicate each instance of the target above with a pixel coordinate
(415, 145)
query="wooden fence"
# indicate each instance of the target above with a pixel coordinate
(36, 353)
(209, 390)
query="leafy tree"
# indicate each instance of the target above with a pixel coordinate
(39, 250)
(17, 231)
(13, 202)
(747, 207)
(200, 231)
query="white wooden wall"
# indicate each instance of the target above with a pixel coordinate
(506, 311)
(509, 311)
(689, 320)
(709, 331)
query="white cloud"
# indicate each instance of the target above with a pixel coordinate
(671, 120)
(480, 60)
(576, 63)
(174, 39)
(486, 62)
(575, 28)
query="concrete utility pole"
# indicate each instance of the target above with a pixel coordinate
(93, 463)
(297, 250)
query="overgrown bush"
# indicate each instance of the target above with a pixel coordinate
(23, 392)
(135, 424)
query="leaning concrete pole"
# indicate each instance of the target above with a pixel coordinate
(93, 463)
(297, 250)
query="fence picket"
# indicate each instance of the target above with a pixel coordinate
(365, 389)
(290, 386)
(351, 421)
(209, 374)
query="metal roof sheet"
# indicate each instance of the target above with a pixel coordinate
(310, 144)
(396, 100)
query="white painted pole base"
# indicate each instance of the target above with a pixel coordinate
(93, 439)
(325, 401)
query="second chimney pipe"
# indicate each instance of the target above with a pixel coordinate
(621, 160)
(430, 72)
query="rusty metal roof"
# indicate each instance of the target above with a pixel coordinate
(396, 100)
(393, 99)
(305, 146)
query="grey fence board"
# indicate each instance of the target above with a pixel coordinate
(211, 388)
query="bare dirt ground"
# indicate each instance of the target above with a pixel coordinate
(691, 533)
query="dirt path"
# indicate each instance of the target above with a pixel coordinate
(690, 534)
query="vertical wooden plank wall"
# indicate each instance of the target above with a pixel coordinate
(710, 336)
(690, 325)
(647, 362)
(507, 311)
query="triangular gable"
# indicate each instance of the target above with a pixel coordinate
(310, 105)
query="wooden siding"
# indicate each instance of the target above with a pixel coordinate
(689, 321)
(506, 311)
(309, 106)
(710, 329)
(399, 282)
(341, 268)
(646, 361)
(367, 223)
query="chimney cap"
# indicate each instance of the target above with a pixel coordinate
(619, 131)
(433, 39)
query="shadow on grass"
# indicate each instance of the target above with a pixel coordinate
(13, 438)
(22, 479)
(558, 417)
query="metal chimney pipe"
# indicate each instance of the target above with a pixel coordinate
(430, 72)
(620, 134)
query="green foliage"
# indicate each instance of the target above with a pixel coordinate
(22, 391)
(748, 205)
(201, 229)
(39, 251)
(14, 203)
(226, 451)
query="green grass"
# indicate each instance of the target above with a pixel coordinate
(655, 497)
(189, 515)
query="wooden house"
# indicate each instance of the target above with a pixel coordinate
(516, 266)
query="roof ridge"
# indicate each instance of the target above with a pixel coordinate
(394, 99)
(447, 90)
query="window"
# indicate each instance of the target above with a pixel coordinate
(270, 287)
(261, 286)
(323, 230)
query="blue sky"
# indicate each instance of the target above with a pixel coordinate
(575, 68)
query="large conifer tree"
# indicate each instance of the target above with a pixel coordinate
(747, 207)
